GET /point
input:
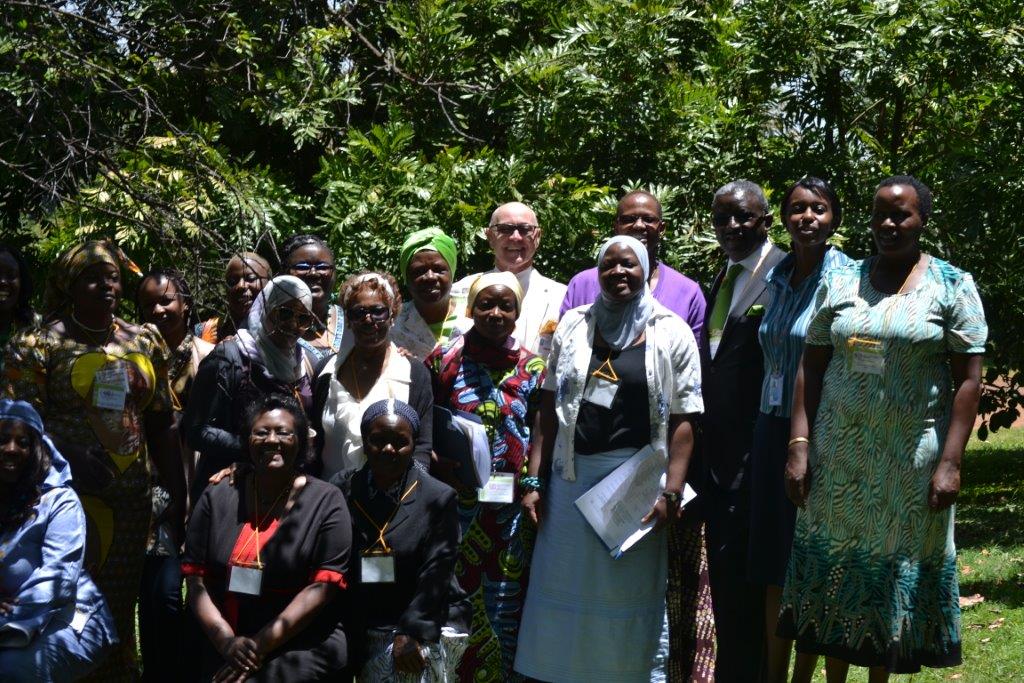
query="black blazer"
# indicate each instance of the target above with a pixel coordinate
(731, 381)
(424, 538)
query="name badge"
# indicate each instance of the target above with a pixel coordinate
(377, 568)
(775, 390)
(866, 356)
(245, 580)
(500, 488)
(544, 342)
(600, 391)
(110, 387)
(80, 619)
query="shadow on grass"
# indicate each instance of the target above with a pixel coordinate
(990, 510)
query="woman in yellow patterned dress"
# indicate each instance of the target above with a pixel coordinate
(101, 384)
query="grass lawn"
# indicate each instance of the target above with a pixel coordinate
(990, 542)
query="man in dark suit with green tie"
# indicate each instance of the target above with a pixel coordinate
(732, 368)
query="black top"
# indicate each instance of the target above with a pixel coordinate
(312, 542)
(627, 423)
(424, 539)
(226, 382)
(421, 398)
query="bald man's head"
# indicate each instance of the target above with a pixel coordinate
(639, 215)
(514, 236)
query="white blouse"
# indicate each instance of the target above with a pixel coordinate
(673, 377)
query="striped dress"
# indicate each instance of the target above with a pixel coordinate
(872, 576)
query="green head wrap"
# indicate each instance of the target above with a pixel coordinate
(428, 239)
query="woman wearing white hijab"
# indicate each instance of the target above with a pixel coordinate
(263, 359)
(623, 373)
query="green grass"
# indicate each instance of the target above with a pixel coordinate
(990, 543)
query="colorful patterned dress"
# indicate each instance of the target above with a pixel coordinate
(872, 576)
(502, 387)
(56, 374)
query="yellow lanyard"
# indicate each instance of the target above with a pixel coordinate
(381, 530)
(887, 317)
(255, 533)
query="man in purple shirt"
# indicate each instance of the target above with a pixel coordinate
(639, 216)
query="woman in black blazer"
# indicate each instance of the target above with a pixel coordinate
(405, 541)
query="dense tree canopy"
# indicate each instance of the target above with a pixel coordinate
(190, 129)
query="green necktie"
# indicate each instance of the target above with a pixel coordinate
(720, 313)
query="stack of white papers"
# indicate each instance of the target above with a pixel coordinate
(617, 503)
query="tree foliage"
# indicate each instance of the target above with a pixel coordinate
(188, 130)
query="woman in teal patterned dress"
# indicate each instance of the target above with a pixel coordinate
(890, 381)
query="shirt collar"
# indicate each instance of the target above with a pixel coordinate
(753, 258)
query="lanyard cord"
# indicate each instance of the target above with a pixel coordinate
(381, 530)
(256, 532)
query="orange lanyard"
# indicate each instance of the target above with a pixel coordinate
(255, 533)
(381, 530)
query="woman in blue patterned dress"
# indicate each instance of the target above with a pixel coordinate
(488, 373)
(890, 381)
(811, 212)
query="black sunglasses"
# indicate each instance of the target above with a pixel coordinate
(378, 314)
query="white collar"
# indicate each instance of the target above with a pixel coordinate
(752, 259)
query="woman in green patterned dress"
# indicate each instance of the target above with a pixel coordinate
(885, 401)
(101, 384)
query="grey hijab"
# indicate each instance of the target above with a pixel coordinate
(285, 366)
(620, 322)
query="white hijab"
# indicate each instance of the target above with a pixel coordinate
(620, 322)
(283, 365)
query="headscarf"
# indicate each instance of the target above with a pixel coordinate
(428, 239)
(620, 322)
(60, 471)
(501, 277)
(391, 406)
(73, 263)
(283, 365)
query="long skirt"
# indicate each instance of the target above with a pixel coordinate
(589, 617)
(442, 658)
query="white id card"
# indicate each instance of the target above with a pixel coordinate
(245, 580)
(378, 568)
(600, 392)
(866, 357)
(775, 390)
(80, 619)
(500, 488)
(110, 388)
(544, 345)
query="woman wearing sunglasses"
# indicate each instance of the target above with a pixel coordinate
(367, 369)
(263, 359)
(308, 258)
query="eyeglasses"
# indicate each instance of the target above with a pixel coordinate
(378, 314)
(303, 268)
(509, 229)
(287, 315)
(631, 219)
(264, 434)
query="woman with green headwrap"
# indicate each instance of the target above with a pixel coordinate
(101, 385)
(431, 317)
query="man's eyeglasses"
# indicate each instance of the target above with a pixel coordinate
(287, 315)
(303, 268)
(508, 229)
(631, 219)
(720, 220)
(378, 314)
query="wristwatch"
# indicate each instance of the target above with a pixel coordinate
(672, 496)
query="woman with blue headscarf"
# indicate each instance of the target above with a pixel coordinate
(54, 623)
(623, 373)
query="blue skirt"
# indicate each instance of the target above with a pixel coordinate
(589, 617)
(772, 515)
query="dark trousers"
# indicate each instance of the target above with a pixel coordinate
(160, 619)
(738, 604)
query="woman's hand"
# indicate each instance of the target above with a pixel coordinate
(236, 469)
(407, 655)
(944, 487)
(7, 605)
(532, 504)
(798, 475)
(229, 674)
(241, 653)
(444, 470)
(662, 513)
